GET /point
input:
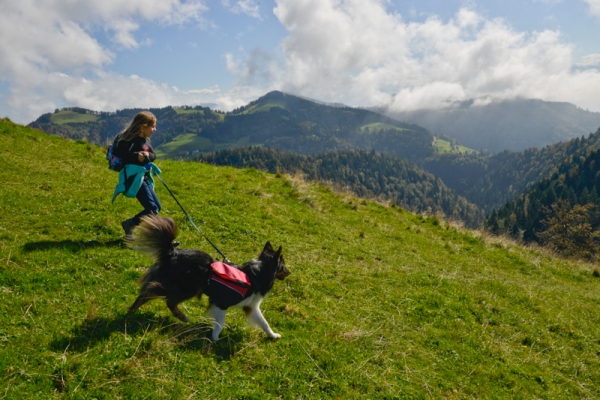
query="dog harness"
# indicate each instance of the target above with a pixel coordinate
(227, 285)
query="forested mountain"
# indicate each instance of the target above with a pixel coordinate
(289, 123)
(366, 173)
(562, 210)
(490, 181)
(276, 120)
(101, 127)
(505, 124)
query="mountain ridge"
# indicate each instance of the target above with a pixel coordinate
(497, 125)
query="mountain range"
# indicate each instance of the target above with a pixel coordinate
(290, 124)
(497, 125)
(276, 120)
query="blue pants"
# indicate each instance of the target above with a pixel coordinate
(148, 199)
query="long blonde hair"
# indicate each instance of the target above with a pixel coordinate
(141, 120)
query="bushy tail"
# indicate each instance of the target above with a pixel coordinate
(154, 236)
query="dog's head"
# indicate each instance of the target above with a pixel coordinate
(274, 260)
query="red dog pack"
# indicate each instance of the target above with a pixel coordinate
(233, 279)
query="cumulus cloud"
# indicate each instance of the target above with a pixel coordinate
(590, 60)
(594, 7)
(352, 51)
(43, 42)
(359, 52)
(258, 70)
(248, 7)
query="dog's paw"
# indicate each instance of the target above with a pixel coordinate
(275, 336)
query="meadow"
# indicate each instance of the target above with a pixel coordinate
(184, 145)
(443, 146)
(68, 116)
(380, 303)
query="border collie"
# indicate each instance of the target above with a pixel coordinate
(180, 274)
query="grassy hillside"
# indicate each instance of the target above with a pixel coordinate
(69, 117)
(187, 145)
(380, 304)
(443, 147)
(276, 120)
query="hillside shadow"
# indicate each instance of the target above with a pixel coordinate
(71, 245)
(194, 337)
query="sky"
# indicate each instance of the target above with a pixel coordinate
(107, 55)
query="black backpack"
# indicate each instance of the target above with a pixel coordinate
(114, 163)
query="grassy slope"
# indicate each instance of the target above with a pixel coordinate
(190, 142)
(67, 116)
(184, 111)
(380, 126)
(262, 107)
(444, 146)
(183, 142)
(380, 304)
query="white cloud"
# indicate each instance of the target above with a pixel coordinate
(359, 52)
(258, 70)
(594, 7)
(47, 47)
(248, 7)
(590, 60)
(351, 51)
(212, 90)
(108, 91)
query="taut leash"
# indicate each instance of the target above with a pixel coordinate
(191, 221)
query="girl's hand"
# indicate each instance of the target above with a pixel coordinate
(142, 155)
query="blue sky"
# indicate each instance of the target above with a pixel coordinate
(109, 54)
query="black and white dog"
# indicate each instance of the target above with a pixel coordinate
(180, 274)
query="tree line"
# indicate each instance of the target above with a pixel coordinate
(368, 174)
(561, 211)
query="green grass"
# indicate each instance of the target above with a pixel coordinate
(380, 304)
(186, 111)
(262, 107)
(377, 126)
(184, 142)
(190, 142)
(66, 116)
(444, 146)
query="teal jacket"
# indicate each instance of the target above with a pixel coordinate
(131, 178)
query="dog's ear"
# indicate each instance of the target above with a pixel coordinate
(278, 253)
(268, 248)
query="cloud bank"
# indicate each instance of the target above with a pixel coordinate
(358, 51)
(594, 7)
(49, 54)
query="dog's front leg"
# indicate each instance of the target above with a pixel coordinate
(218, 316)
(256, 317)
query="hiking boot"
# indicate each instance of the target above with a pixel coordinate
(128, 227)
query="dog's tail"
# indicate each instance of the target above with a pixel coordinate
(154, 236)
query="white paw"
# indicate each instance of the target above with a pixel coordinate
(275, 336)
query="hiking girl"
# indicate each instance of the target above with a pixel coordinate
(135, 179)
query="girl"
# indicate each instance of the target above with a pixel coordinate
(135, 150)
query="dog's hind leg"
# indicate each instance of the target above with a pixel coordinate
(140, 301)
(218, 316)
(172, 304)
(255, 317)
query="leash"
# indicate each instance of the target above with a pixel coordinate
(192, 222)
